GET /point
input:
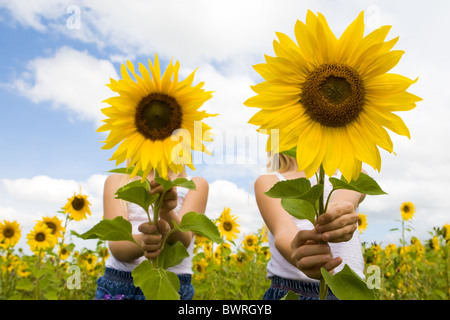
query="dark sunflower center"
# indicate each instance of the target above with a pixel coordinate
(333, 95)
(227, 226)
(51, 226)
(158, 116)
(40, 237)
(77, 203)
(8, 232)
(249, 242)
(406, 209)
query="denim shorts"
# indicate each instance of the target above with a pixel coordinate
(279, 287)
(118, 285)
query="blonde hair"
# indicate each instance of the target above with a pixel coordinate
(279, 162)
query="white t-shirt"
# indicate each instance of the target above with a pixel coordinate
(350, 251)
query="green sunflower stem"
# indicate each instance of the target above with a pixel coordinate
(323, 285)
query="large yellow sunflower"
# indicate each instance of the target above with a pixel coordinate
(77, 207)
(41, 238)
(332, 98)
(146, 117)
(228, 226)
(9, 234)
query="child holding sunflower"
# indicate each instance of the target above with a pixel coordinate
(297, 247)
(117, 282)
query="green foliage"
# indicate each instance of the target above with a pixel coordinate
(365, 184)
(347, 285)
(138, 193)
(116, 229)
(200, 224)
(156, 283)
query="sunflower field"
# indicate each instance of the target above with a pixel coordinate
(233, 270)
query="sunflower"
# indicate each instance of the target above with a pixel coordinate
(407, 210)
(200, 266)
(332, 98)
(77, 207)
(362, 222)
(41, 238)
(146, 117)
(250, 242)
(228, 226)
(446, 232)
(64, 252)
(241, 257)
(55, 225)
(9, 234)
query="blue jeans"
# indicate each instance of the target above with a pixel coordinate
(118, 285)
(279, 287)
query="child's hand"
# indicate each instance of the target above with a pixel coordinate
(309, 255)
(152, 236)
(170, 200)
(338, 223)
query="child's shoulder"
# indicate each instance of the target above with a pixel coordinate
(115, 179)
(266, 181)
(200, 183)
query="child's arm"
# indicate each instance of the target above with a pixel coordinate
(278, 221)
(112, 208)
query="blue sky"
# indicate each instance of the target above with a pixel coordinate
(52, 82)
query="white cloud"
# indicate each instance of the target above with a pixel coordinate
(72, 80)
(226, 194)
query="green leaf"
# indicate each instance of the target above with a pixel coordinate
(301, 209)
(172, 255)
(200, 224)
(347, 285)
(290, 188)
(365, 184)
(180, 182)
(117, 229)
(290, 296)
(291, 152)
(297, 197)
(137, 192)
(156, 283)
(25, 284)
(129, 170)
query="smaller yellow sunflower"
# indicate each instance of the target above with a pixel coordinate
(446, 232)
(55, 225)
(207, 249)
(228, 226)
(250, 242)
(407, 209)
(41, 238)
(64, 252)
(22, 269)
(362, 222)
(77, 207)
(434, 243)
(9, 234)
(241, 257)
(200, 266)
